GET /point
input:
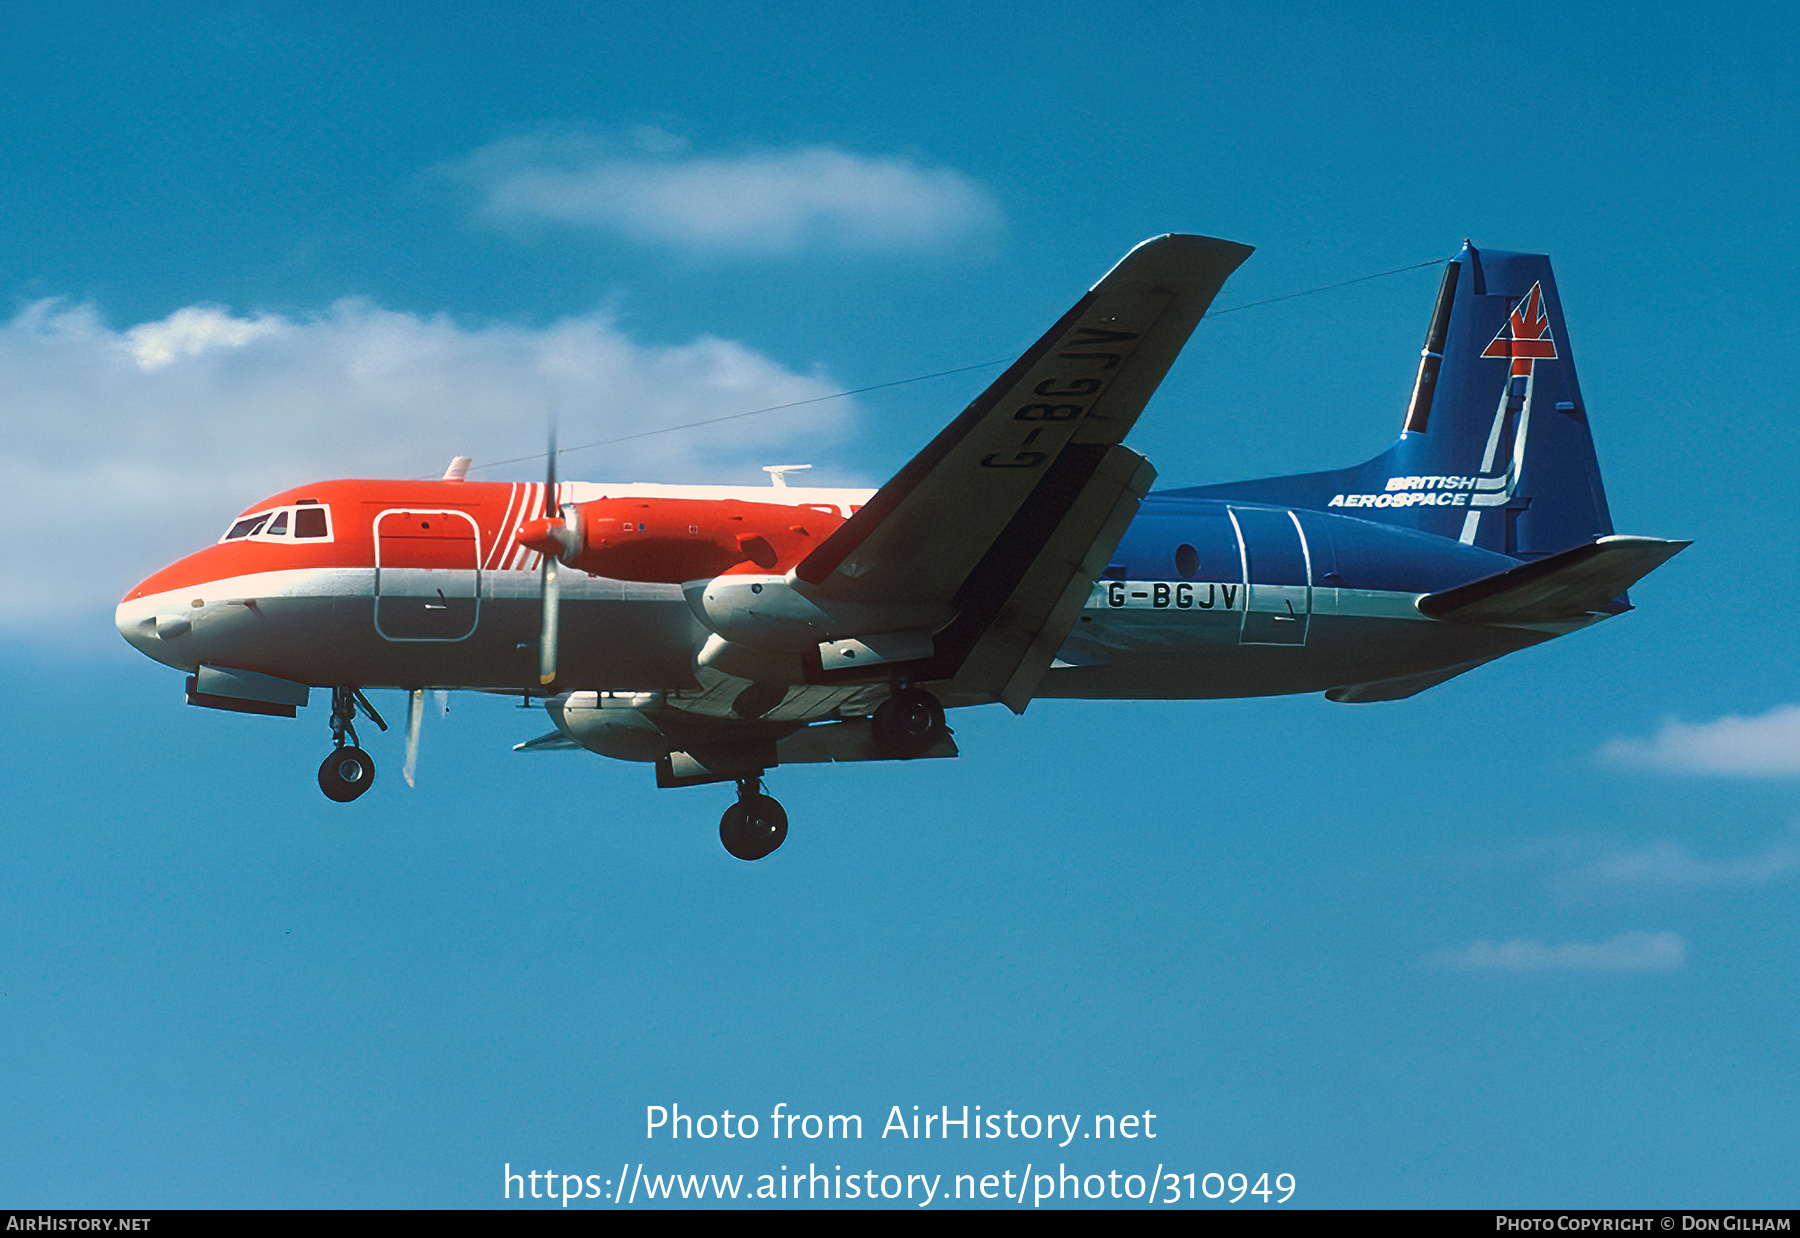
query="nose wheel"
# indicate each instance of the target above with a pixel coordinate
(755, 825)
(347, 771)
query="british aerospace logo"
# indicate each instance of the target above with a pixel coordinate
(1411, 492)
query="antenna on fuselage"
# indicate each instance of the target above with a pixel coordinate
(778, 473)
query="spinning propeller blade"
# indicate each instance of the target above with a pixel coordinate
(547, 638)
(414, 716)
(550, 586)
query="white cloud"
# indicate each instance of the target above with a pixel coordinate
(190, 331)
(1666, 863)
(1767, 746)
(760, 203)
(1627, 952)
(126, 449)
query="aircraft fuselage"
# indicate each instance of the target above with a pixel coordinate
(424, 584)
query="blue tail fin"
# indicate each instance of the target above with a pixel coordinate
(1495, 450)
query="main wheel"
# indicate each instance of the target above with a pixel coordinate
(346, 774)
(908, 723)
(753, 827)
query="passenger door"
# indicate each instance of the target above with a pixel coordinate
(1276, 560)
(427, 575)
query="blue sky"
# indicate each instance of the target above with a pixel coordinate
(1523, 940)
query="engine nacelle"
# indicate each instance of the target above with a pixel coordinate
(609, 725)
(768, 612)
(673, 541)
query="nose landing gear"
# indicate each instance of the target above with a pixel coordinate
(755, 825)
(347, 771)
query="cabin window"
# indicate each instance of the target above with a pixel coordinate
(1187, 561)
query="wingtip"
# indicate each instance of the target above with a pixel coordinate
(1677, 544)
(1180, 248)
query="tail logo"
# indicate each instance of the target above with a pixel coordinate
(1525, 338)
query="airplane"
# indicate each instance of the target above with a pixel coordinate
(718, 632)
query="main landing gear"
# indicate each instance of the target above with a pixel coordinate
(348, 771)
(907, 724)
(755, 825)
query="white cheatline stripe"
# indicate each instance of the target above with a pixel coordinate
(498, 545)
(533, 503)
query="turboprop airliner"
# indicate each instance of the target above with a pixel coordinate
(718, 632)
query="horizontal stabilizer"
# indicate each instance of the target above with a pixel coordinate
(1562, 586)
(1398, 688)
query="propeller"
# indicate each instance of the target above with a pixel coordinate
(551, 583)
(414, 716)
(551, 537)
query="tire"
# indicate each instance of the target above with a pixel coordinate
(346, 773)
(753, 827)
(907, 724)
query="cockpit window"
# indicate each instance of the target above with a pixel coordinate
(246, 526)
(309, 520)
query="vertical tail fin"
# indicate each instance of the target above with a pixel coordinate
(1495, 450)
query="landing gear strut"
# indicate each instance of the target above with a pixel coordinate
(907, 724)
(755, 825)
(348, 771)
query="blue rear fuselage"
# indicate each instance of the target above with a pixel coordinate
(1206, 597)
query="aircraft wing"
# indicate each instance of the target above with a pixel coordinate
(1006, 515)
